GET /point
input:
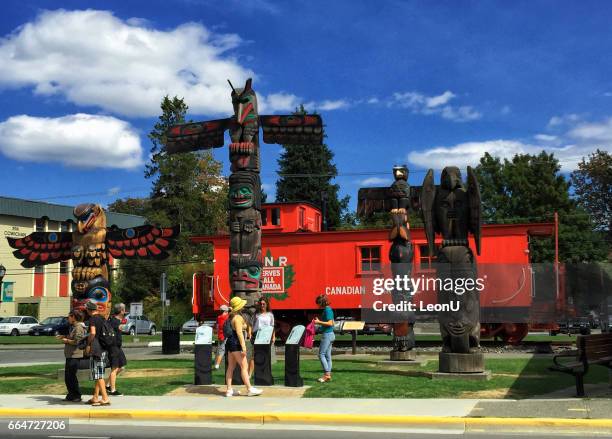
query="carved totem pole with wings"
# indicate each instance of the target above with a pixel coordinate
(91, 247)
(245, 186)
(454, 211)
(395, 199)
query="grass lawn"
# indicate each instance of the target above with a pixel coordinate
(359, 378)
(47, 339)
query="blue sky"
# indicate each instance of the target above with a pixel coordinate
(424, 83)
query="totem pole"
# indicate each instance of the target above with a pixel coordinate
(395, 199)
(90, 247)
(454, 211)
(245, 187)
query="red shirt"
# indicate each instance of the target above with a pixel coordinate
(220, 322)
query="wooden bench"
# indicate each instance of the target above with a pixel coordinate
(591, 350)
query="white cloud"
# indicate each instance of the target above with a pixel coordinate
(438, 105)
(375, 181)
(373, 100)
(80, 140)
(92, 58)
(332, 105)
(567, 119)
(581, 139)
(545, 137)
(113, 191)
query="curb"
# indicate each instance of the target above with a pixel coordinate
(263, 418)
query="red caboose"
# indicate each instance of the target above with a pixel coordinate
(301, 262)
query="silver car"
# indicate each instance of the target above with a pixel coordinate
(137, 325)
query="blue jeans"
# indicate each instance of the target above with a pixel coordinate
(325, 350)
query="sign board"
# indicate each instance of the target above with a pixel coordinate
(136, 309)
(296, 334)
(7, 291)
(273, 280)
(264, 335)
(204, 335)
(350, 325)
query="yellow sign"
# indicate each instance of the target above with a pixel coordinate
(350, 325)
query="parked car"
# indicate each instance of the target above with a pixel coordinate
(137, 325)
(573, 326)
(17, 325)
(51, 326)
(190, 326)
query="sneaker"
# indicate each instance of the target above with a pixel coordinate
(229, 393)
(253, 391)
(115, 393)
(108, 388)
(216, 366)
(75, 399)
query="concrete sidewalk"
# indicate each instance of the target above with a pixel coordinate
(549, 415)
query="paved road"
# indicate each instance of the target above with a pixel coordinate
(113, 430)
(23, 357)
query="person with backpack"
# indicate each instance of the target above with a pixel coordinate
(115, 353)
(234, 330)
(101, 338)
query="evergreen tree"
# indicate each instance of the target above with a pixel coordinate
(187, 190)
(306, 174)
(529, 188)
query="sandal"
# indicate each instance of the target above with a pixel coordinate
(91, 401)
(101, 403)
(324, 379)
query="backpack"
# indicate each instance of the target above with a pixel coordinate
(228, 331)
(107, 338)
(309, 336)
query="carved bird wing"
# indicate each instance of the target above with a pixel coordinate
(42, 248)
(428, 196)
(150, 242)
(474, 203)
(295, 129)
(199, 135)
(371, 200)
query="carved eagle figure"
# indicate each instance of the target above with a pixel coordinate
(90, 247)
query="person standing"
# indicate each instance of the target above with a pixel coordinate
(115, 353)
(263, 317)
(221, 340)
(234, 331)
(73, 354)
(97, 355)
(326, 322)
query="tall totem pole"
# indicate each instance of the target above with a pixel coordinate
(395, 199)
(245, 262)
(454, 211)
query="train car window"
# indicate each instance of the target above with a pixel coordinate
(370, 258)
(264, 217)
(276, 216)
(426, 260)
(302, 213)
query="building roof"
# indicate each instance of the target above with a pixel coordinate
(57, 212)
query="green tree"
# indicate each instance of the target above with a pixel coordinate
(530, 188)
(306, 174)
(188, 190)
(592, 183)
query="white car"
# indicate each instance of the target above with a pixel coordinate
(17, 325)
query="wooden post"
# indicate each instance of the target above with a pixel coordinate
(354, 340)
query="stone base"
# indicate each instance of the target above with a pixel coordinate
(476, 376)
(402, 356)
(461, 363)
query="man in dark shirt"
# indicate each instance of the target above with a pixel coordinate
(116, 354)
(97, 362)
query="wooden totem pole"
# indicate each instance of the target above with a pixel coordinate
(245, 186)
(454, 211)
(395, 199)
(91, 247)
